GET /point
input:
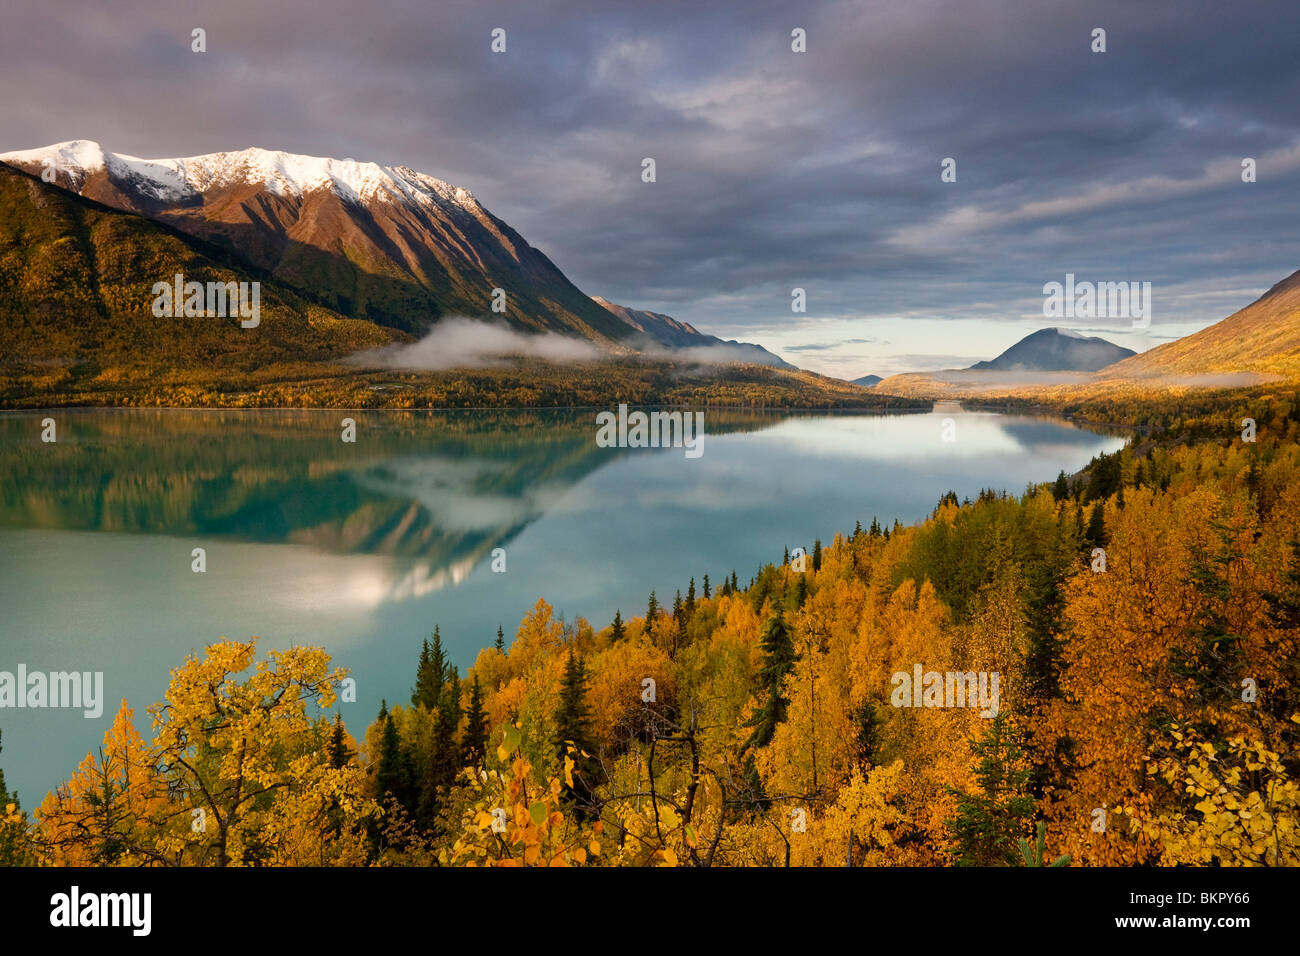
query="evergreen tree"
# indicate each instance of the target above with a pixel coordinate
(652, 611)
(445, 758)
(15, 845)
(449, 722)
(734, 584)
(706, 588)
(1210, 653)
(423, 676)
(1096, 533)
(618, 632)
(857, 529)
(339, 751)
(1105, 476)
(571, 728)
(990, 821)
(474, 745)
(572, 715)
(1061, 490)
(501, 640)
(690, 600)
(431, 673)
(6, 797)
(393, 776)
(817, 554)
(779, 659)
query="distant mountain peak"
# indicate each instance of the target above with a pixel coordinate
(659, 330)
(1057, 350)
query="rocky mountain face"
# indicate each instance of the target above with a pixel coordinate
(383, 243)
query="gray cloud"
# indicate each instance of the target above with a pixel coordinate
(775, 170)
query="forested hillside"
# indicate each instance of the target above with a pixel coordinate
(1143, 619)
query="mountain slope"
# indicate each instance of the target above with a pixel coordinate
(1262, 338)
(76, 297)
(1056, 350)
(683, 337)
(663, 329)
(382, 243)
(867, 381)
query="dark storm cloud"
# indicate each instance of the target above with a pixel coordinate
(775, 170)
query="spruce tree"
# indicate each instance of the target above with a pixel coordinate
(431, 673)
(571, 714)
(779, 659)
(1096, 533)
(474, 746)
(571, 729)
(706, 588)
(652, 611)
(422, 675)
(1061, 490)
(339, 751)
(617, 631)
(690, 600)
(447, 750)
(501, 640)
(393, 776)
(5, 796)
(990, 821)
(15, 845)
(817, 555)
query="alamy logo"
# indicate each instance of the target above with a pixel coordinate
(1100, 300)
(181, 299)
(653, 430)
(923, 688)
(102, 909)
(37, 689)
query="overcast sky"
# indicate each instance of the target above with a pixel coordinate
(775, 169)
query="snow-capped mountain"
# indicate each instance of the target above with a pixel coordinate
(384, 243)
(283, 174)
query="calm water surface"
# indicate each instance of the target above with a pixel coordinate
(363, 547)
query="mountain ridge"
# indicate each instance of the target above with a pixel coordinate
(1258, 343)
(1056, 350)
(666, 331)
(386, 244)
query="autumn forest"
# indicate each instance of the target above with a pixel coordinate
(1141, 617)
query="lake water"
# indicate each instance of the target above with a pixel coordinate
(363, 547)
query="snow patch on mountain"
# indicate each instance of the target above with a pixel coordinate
(284, 174)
